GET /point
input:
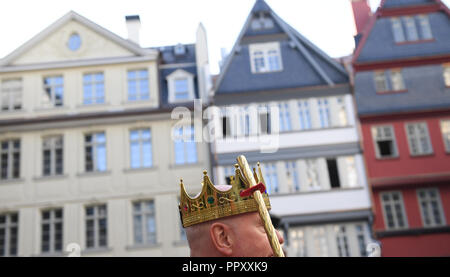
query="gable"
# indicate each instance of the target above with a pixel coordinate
(54, 47)
(303, 64)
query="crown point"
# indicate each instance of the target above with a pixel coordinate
(181, 180)
(236, 166)
(205, 172)
(258, 164)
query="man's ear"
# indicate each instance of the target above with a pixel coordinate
(222, 238)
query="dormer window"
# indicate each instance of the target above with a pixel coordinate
(181, 86)
(261, 22)
(411, 28)
(265, 57)
(180, 50)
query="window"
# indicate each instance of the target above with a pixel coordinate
(52, 231)
(425, 28)
(445, 129)
(361, 240)
(352, 177)
(138, 85)
(96, 226)
(447, 75)
(181, 86)
(179, 49)
(185, 145)
(419, 139)
(342, 241)
(381, 82)
(397, 80)
(141, 148)
(271, 178)
(384, 139)
(410, 27)
(262, 22)
(324, 112)
(244, 116)
(10, 159)
(9, 230)
(265, 57)
(226, 127)
(74, 42)
(292, 176)
(93, 89)
(285, 117)
(397, 30)
(312, 176)
(265, 126)
(320, 242)
(144, 222)
(304, 114)
(342, 113)
(297, 241)
(95, 152)
(11, 95)
(333, 173)
(52, 154)
(54, 91)
(394, 212)
(430, 207)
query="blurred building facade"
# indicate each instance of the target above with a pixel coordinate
(86, 154)
(402, 91)
(283, 102)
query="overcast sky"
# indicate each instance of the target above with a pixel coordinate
(327, 23)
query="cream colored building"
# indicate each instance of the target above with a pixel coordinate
(86, 149)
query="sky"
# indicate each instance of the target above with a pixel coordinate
(327, 23)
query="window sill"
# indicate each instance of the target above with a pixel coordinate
(266, 72)
(12, 112)
(183, 101)
(421, 155)
(315, 191)
(52, 108)
(415, 41)
(388, 158)
(94, 173)
(140, 169)
(143, 246)
(93, 105)
(180, 166)
(50, 177)
(50, 255)
(392, 91)
(137, 102)
(99, 250)
(11, 181)
(231, 137)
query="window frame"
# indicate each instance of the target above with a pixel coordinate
(12, 94)
(446, 74)
(446, 141)
(140, 142)
(263, 50)
(428, 137)
(394, 142)
(10, 169)
(177, 75)
(143, 213)
(53, 155)
(7, 226)
(53, 101)
(428, 199)
(96, 217)
(52, 221)
(93, 85)
(182, 137)
(392, 203)
(94, 145)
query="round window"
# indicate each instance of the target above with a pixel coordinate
(74, 42)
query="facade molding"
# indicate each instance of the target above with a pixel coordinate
(324, 218)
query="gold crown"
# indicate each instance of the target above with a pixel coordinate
(212, 203)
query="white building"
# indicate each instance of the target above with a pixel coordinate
(84, 129)
(286, 104)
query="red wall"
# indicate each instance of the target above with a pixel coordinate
(432, 245)
(405, 164)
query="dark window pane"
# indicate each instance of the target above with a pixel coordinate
(333, 173)
(386, 148)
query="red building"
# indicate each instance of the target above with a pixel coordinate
(402, 92)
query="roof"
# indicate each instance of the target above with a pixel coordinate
(168, 55)
(304, 64)
(378, 45)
